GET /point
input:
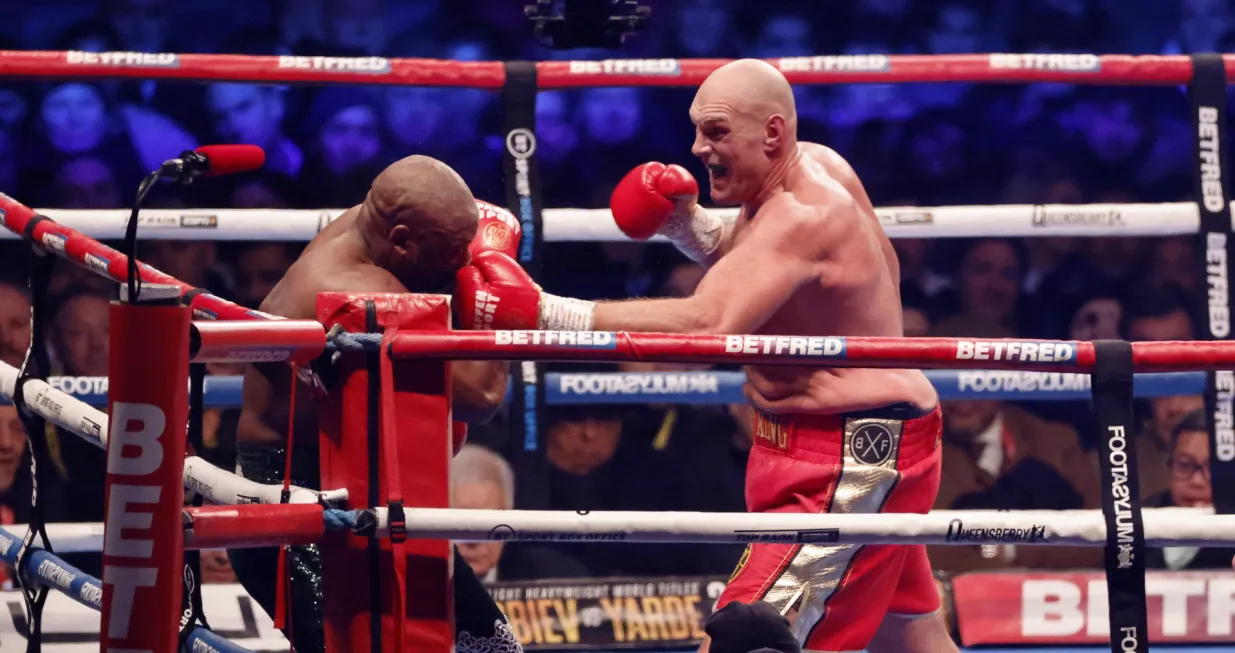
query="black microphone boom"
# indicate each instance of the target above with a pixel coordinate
(185, 169)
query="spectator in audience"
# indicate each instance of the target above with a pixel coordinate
(360, 25)
(251, 113)
(1190, 487)
(141, 24)
(75, 120)
(14, 323)
(997, 456)
(989, 280)
(259, 267)
(1172, 265)
(262, 192)
(704, 28)
(85, 183)
(1204, 26)
(191, 261)
(346, 153)
(481, 480)
(1153, 450)
(1158, 315)
(1098, 318)
(15, 479)
(784, 35)
(914, 321)
(80, 336)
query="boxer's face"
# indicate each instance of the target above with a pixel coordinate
(732, 147)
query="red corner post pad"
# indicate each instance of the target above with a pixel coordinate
(397, 593)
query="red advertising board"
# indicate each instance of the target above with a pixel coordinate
(1071, 608)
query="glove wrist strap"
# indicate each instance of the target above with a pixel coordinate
(565, 313)
(696, 234)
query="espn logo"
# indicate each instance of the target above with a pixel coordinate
(486, 306)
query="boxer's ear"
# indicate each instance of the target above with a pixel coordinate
(775, 132)
(400, 239)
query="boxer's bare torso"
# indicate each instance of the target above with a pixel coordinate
(856, 292)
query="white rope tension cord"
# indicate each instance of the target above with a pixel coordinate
(215, 485)
(597, 224)
(1163, 527)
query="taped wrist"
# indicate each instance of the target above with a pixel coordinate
(565, 313)
(696, 234)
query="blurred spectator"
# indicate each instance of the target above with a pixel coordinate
(15, 480)
(262, 192)
(249, 113)
(259, 267)
(216, 568)
(1204, 26)
(915, 322)
(14, 323)
(1097, 319)
(1153, 447)
(141, 24)
(481, 480)
(784, 35)
(704, 28)
(1172, 265)
(80, 336)
(989, 280)
(1190, 487)
(997, 456)
(1158, 315)
(360, 25)
(346, 150)
(85, 183)
(191, 261)
(612, 122)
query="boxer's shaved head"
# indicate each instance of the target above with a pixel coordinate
(746, 123)
(417, 221)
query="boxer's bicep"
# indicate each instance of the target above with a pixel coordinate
(750, 283)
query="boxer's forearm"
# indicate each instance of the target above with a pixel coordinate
(684, 315)
(479, 389)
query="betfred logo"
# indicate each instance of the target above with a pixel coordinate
(845, 63)
(486, 306)
(627, 67)
(785, 346)
(1077, 63)
(365, 65)
(586, 339)
(97, 263)
(54, 242)
(128, 59)
(1025, 352)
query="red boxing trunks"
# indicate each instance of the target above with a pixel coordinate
(882, 461)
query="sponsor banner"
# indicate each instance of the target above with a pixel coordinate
(69, 627)
(665, 613)
(627, 67)
(707, 387)
(1071, 608)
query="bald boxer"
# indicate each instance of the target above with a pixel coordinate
(417, 226)
(805, 257)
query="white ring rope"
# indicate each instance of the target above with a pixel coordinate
(1175, 218)
(218, 486)
(1163, 527)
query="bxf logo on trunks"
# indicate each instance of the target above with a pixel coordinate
(786, 346)
(1025, 352)
(586, 339)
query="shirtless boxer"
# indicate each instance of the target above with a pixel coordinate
(805, 257)
(411, 234)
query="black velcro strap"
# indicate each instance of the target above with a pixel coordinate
(373, 365)
(1121, 500)
(398, 522)
(32, 223)
(1215, 249)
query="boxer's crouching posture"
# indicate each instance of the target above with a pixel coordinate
(806, 257)
(411, 234)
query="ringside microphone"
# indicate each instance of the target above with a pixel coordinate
(213, 161)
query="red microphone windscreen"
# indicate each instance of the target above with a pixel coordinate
(230, 159)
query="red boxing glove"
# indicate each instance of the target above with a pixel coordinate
(650, 195)
(495, 293)
(498, 231)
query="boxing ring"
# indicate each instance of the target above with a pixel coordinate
(365, 521)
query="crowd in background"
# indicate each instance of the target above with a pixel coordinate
(69, 144)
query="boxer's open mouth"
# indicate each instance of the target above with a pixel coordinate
(717, 171)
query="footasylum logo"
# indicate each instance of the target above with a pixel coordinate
(1117, 444)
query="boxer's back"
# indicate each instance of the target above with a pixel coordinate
(328, 263)
(857, 294)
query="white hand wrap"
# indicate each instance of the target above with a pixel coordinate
(565, 313)
(696, 234)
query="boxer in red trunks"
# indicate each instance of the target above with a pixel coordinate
(806, 257)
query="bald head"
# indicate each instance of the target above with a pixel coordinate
(746, 128)
(752, 88)
(419, 217)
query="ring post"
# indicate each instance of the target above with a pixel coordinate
(143, 538)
